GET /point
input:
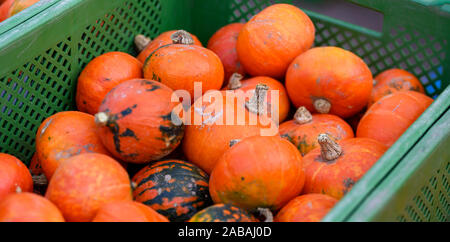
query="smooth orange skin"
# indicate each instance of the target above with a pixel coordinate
(13, 174)
(304, 136)
(127, 211)
(84, 183)
(28, 207)
(394, 80)
(162, 39)
(306, 208)
(180, 66)
(269, 42)
(283, 100)
(4, 9)
(391, 116)
(259, 171)
(336, 178)
(64, 135)
(203, 145)
(148, 106)
(101, 75)
(20, 5)
(223, 43)
(332, 73)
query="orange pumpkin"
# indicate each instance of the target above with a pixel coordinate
(182, 64)
(64, 135)
(28, 207)
(20, 5)
(35, 166)
(390, 117)
(394, 80)
(223, 43)
(306, 208)
(334, 168)
(270, 41)
(14, 176)
(4, 9)
(135, 121)
(127, 211)
(280, 101)
(101, 75)
(163, 39)
(220, 121)
(303, 130)
(84, 183)
(258, 172)
(329, 80)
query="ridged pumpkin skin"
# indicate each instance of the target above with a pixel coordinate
(304, 136)
(258, 172)
(101, 75)
(138, 126)
(223, 213)
(335, 178)
(223, 43)
(20, 5)
(28, 207)
(173, 188)
(333, 74)
(394, 80)
(84, 183)
(14, 176)
(306, 208)
(161, 40)
(269, 42)
(4, 9)
(127, 211)
(392, 115)
(64, 135)
(283, 104)
(180, 66)
(205, 142)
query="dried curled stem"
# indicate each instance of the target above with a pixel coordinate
(141, 41)
(182, 37)
(322, 105)
(257, 103)
(329, 149)
(302, 116)
(235, 81)
(266, 213)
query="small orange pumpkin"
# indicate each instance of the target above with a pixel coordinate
(4, 9)
(390, 116)
(223, 43)
(14, 176)
(306, 208)
(127, 211)
(84, 183)
(20, 5)
(303, 130)
(258, 172)
(394, 80)
(101, 75)
(28, 207)
(334, 168)
(270, 41)
(329, 80)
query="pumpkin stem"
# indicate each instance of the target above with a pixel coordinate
(234, 141)
(182, 37)
(268, 215)
(256, 104)
(322, 105)
(141, 41)
(329, 148)
(235, 81)
(18, 189)
(302, 116)
(101, 118)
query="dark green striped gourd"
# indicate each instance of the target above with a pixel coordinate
(223, 213)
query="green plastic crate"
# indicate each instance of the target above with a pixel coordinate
(42, 55)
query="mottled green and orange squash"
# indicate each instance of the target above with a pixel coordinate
(135, 121)
(14, 176)
(28, 207)
(64, 135)
(334, 167)
(223, 213)
(127, 211)
(303, 130)
(306, 208)
(174, 188)
(258, 172)
(391, 116)
(394, 80)
(86, 182)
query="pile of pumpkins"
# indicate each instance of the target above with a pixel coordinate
(8, 8)
(122, 156)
